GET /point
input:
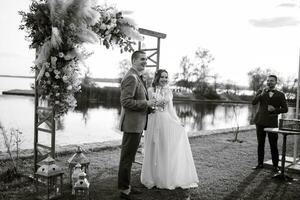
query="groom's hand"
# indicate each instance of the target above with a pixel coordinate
(151, 103)
(151, 110)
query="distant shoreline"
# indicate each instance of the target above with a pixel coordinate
(19, 92)
(176, 99)
(208, 101)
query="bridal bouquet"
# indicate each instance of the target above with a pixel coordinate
(57, 29)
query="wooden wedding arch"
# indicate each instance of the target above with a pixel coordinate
(44, 116)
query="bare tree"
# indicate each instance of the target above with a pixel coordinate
(236, 128)
(257, 77)
(201, 70)
(183, 78)
(12, 143)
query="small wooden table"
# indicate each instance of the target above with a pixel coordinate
(282, 175)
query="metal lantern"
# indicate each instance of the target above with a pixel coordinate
(80, 158)
(75, 176)
(81, 187)
(49, 180)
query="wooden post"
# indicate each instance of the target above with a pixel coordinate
(297, 115)
(156, 51)
(36, 102)
(53, 133)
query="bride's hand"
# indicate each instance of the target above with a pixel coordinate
(160, 103)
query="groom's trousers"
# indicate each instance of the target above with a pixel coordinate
(130, 144)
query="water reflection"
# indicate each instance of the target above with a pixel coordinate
(207, 116)
(91, 122)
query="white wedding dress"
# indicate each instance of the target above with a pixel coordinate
(168, 162)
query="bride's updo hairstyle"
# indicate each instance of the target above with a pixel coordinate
(157, 76)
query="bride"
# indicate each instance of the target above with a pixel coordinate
(168, 162)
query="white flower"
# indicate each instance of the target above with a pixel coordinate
(48, 82)
(47, 74)
(113, 20)
(69, 42)
(113, 25)
(72, 27)
(61, 54)
(53, 61)
(57, 76)
(46, 64)
(72, 63)
(67, 57)
(69, 87)
(56, 72)
(65, 78)
(57, 94)
(107, 37)
(102, 26)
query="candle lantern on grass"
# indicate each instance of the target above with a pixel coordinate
(80, 158)
(81, 187)
(75, 176)
(49, 180)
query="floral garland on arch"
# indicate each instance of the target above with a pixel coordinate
(57, 29)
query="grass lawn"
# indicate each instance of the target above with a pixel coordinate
(223, 167)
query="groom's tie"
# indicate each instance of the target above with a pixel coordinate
(144, 83)
(142, 78)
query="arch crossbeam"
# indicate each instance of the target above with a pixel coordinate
(154, 51)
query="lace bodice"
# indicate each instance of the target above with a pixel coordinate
(164, 94)
(160, 94)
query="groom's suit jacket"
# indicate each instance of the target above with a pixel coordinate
(134, 96)
(264, 117)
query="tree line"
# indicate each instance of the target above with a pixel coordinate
(195, 76)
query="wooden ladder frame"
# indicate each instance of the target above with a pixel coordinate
(154, 51)
(42, 115)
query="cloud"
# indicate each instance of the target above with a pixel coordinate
(289, 5)
(275, 22)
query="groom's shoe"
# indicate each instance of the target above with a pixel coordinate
(128, 196)
(135, 191)
(259, 166)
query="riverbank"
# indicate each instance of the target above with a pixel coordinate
(223, 167)
(100, 146)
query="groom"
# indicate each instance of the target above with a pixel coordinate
(134, 116)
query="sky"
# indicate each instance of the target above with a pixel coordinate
(241, 35)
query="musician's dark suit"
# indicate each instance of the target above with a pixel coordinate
(265, 118)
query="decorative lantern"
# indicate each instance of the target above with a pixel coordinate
(80, 158)
(81, 187)
(75, 176)
(49, 180)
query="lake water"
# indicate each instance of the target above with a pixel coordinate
(99, 123)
